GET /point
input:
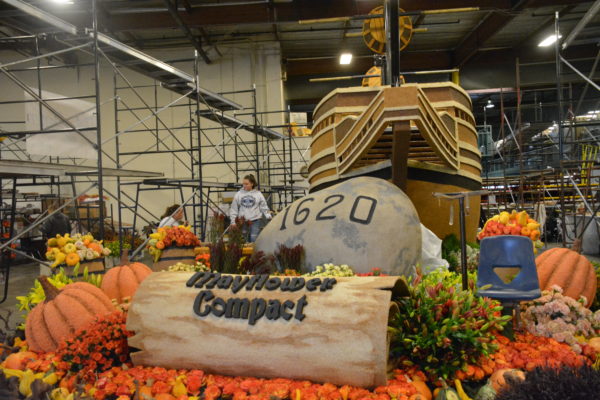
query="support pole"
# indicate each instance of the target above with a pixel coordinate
(400, 147)
(98, 119)
(559, 127)
(463, 244)
(392, 35)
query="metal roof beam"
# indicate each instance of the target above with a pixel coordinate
(186, 30)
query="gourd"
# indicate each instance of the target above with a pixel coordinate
(498, 378)
(62, 313)
(569, 270)
(447, 393)
(486, 392)
(122, 281)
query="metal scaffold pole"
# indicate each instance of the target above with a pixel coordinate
(98, 118)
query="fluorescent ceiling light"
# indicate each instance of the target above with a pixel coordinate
(63, 1)
(548, 41)
(346, 58)
(489, 104)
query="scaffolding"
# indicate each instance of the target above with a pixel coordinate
(550, 164)
(272, 156)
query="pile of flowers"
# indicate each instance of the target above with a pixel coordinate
(442, 328)
(96, 348)
(331, 270)
(71, 250)
(176, 236)
(181, 267)
(560, 317)
(526, 352)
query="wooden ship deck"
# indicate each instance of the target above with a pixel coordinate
(431, 125)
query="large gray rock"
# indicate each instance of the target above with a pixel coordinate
(363, 222)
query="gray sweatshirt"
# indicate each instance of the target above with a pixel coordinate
(250, 205)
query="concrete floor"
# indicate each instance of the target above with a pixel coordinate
(23, 276)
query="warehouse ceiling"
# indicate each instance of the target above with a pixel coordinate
(484, 40)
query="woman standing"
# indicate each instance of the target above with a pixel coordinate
(170, 219)
(250, 204)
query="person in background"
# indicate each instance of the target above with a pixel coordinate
(250, 204)
(170, 219)
(57, 224)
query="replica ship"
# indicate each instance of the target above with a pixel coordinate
(423, 133)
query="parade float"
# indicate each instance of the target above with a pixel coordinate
(333, 302)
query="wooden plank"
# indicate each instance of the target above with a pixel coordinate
(209, 325)
(401, 146)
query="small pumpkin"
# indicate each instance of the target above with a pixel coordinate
(62, 313)
(568, 269)
(122, 281)
(19, 359)
(498, 378)
(72, 259)
(422, 389)
(95, 247)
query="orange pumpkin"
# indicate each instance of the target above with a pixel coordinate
(63, 312)
(72, 259)
(498, 378)
(121, 282)
(96, 247)
(423, 389)
(19, 360)
(569, 270)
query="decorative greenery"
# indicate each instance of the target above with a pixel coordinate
(331, 270)
(257, 263)
(442, 328)
(560, 317)
(451, 252)
(216, 228)
(290, 257)
(114, 247)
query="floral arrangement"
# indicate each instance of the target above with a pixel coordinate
(442, 328)
(203, 259)
(178, 236)
(372, 272)
(331, 270)
(561, 318)
(526, 352)
(290, 257)
(181, 267)
(96, 348)
(71, 250)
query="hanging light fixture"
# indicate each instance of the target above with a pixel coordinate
(548, 41)
(489, 104)
(345, 58)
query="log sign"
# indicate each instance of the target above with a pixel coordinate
(207, 303)
(319, 329)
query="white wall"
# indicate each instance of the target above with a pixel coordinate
(238, 69)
